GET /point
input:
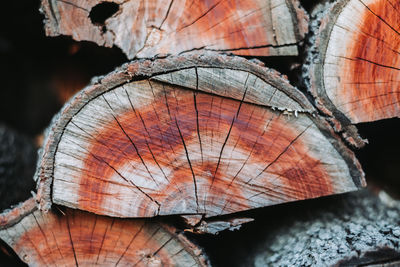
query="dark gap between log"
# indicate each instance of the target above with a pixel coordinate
(8, 257)
(380, 158)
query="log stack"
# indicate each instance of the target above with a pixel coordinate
(191, 130)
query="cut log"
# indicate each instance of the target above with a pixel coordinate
(354, 59)
(17, 166)
(148, 28)
(77, 238)
(356, 230)
(194, 134)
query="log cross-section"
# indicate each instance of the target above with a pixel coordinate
(355, 62)
(148, 28)
(193, 134)
(77, 238)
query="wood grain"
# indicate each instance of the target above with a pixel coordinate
(161, 27)
(355, 74)
(77, 238)
(155, 146)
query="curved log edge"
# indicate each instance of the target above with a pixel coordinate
(358, 229)
(351, 63)
(163, 27)
(77, 238)
(340, 171)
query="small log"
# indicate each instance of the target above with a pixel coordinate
(77, 238)
(357, 229)
(352, 67)
(194, 134)
(145, 29)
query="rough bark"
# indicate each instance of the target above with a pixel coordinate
(145, 29)
(356, 230)
(194, 134)
(17, 166)
(352, 67)
(77, 238)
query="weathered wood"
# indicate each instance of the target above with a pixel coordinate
(214, 227)
(352, 67)
(17, 166)
(77, 238)
(145, 29)
(357, 229)
(195, 134)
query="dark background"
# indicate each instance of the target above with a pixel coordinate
(38, 74)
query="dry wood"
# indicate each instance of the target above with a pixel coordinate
(194, 134)
(354, 61)
(77, 238)
(357, 229)
(149, 28)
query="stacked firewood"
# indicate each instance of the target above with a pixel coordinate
(189, 138)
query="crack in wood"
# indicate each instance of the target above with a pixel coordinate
(148, 239)
(158, 126)
(166, 15)
(280, 154)
(379, 17)
(98, 141)
(229, 132)
(133, 144)
(53, 13)
(201, 16)
(119, 174)
(163, 245)
(74, 5)
(130, 243)
(197, 114)
(147, 144)
(378, 64)
(370, 97)
(102, 240)
(72, 242)
(184, 145)
(190, 164)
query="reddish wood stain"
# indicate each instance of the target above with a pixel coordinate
(154, 132)
(89, 240)
(219, 25)
(371, 78)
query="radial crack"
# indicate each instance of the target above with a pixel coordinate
(280, 154)
(190, 164)
(201, 16)
(197, 114)
(148, 133)
(130, 243)
(130, 139)
(229, 132)
(72, 243)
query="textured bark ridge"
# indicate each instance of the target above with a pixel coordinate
(194, 134)
(147, 28)
(357, 230)
(77, 238)
(354, 72)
